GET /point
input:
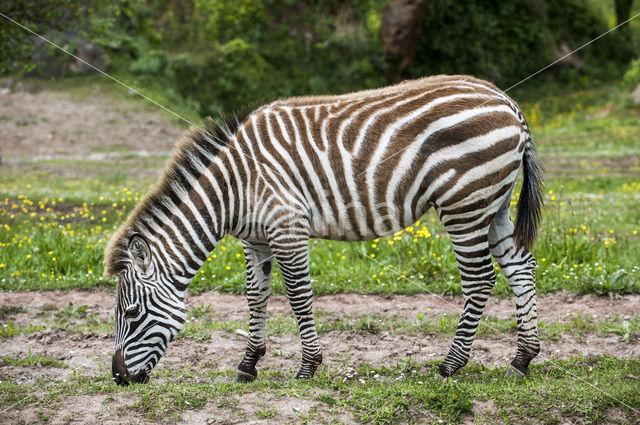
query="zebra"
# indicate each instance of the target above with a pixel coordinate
(350, 167)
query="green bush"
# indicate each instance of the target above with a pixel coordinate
(152, 62)
(508, 41)
(308, 49)
(221, 55)
(632, 76)
(64, 21)
(226, 20)
(226, 79)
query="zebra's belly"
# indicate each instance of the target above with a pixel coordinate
(360, 225)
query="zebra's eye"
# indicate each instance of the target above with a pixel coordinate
(132, 311)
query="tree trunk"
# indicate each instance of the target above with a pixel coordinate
(623, 10)
(399, 31)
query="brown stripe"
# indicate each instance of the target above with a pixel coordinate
(461, 164)
(485, 181)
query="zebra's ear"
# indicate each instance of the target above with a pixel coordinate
(140, 250)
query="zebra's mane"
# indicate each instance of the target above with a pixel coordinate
(201, 144)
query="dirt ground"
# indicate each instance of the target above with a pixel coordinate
(91, 351)
(47, 124)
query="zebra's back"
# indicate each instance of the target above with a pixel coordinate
(368, 164)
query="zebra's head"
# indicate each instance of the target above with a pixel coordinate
(149, 312)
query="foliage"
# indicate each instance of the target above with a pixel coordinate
(226, 19)
(216, 85)
(62, 21)
(222, 55)
(326, 50)
(632, 77)
(70, 312)
(507, 41)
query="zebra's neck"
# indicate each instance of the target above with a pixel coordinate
(195, 203)
(196, 210)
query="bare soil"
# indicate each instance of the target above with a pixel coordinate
(89, 353)
(617, 166)
(55, 124)
(551, 308)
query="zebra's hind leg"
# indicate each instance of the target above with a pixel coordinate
(478, 277)
(292, 254)
(259, 263)
(519, 268)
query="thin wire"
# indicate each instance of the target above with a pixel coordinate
(487, 324)
(518, 83)
(572, 52)
(99, 70)
(148, 99)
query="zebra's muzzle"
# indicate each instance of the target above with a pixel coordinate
(121, 375)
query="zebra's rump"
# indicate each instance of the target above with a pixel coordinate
(367, 164)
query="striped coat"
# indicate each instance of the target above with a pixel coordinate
(351, 167)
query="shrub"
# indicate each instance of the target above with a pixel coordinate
(508, 41)
(152, 62)
(632, 76)
(67, 22)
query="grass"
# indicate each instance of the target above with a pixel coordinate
(54, 229)
(588, 244)
(32, 360)
(409, 392)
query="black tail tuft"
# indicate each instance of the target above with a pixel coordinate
(531, 199)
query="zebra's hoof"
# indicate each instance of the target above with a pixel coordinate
(304, 375)
(245, 376)
(444, 372)
(308, 368)
(514, 372)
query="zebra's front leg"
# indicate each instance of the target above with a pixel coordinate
(259, 261)
(293, 260)
(478, 277)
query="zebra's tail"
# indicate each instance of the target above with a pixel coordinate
(531, 197)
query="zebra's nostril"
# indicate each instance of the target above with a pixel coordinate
(121, 375)
(118, 369)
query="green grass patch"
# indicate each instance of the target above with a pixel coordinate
(588, 244)
(53, 229)
(32, 360)
(586, 390)
(9, 310)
